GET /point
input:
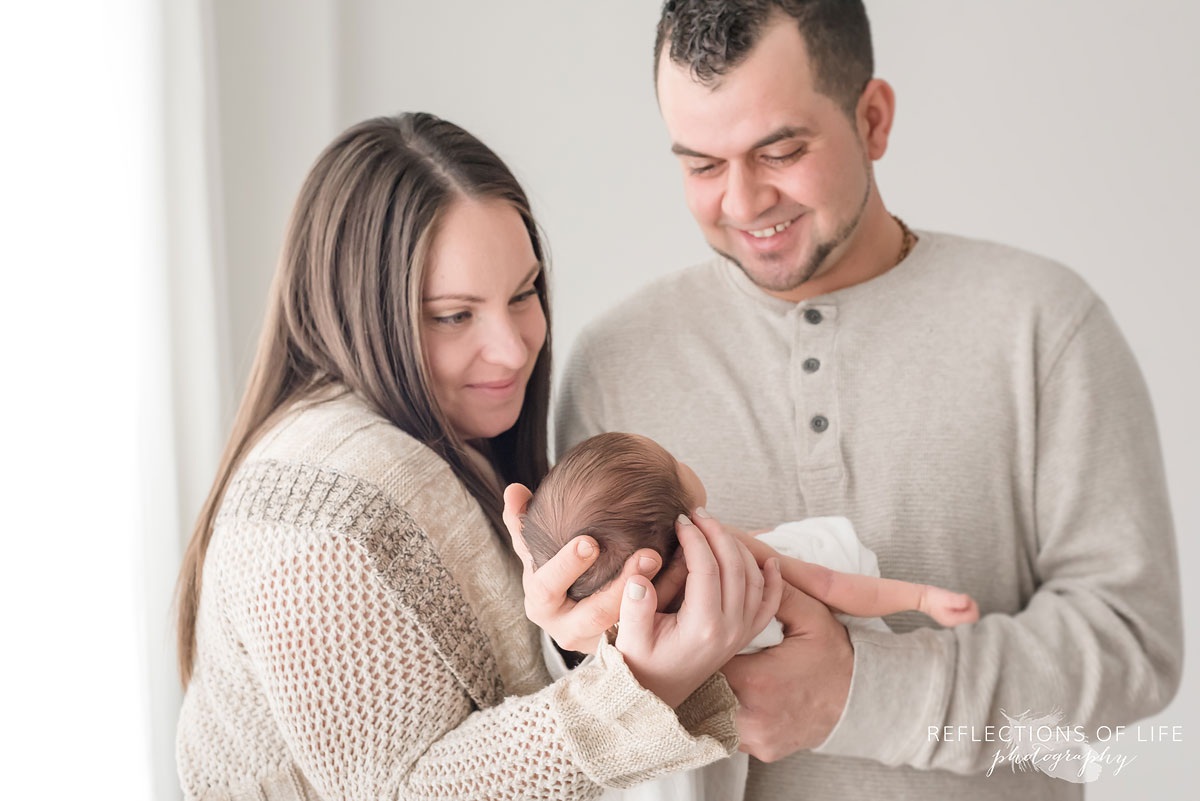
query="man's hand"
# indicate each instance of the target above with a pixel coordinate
(792, 695)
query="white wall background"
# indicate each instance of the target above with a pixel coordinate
(1066, 128)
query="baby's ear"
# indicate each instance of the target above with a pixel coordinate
(516, 500)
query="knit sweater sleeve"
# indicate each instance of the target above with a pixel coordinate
(1100, 640)
(370, 707)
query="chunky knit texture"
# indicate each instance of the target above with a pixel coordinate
(977, 414)
(360, 627)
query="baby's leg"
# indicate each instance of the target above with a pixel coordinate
(867, 596)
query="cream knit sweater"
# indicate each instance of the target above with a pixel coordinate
(361, 634)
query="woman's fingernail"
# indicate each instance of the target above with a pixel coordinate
(773, 563)
(683, 520)
(636, 591)
(702, 512)
(646, 564)
(585, 549)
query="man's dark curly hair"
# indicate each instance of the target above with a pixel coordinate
(712, 37)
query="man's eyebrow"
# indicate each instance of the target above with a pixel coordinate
(786, 132)
(473, 299)
(680, 150)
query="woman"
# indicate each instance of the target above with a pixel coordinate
(350, 614)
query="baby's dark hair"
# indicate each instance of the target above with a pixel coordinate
(622, 490)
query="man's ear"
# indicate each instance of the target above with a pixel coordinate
(874, 116)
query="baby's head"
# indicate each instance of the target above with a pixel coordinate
(624, 491)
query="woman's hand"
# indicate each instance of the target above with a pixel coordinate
(574, 625)
(727, 600)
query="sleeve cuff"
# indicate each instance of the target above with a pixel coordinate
(621, 734)
(898, 690)
(710, 710)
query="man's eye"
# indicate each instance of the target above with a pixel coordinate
(785, 157)
(453, 319)
(700, 169)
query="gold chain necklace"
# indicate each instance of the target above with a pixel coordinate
(908, 242)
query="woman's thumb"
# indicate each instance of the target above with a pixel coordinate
(638, 605)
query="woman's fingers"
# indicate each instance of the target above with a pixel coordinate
(702, 590)
(669, 582)
(772, 594)
(549, 583)
(768, 560)
(644, 562)
(516, 499)
(638, 608)
(600, 610)
(754, 587)
(762, 552)
(729, 560)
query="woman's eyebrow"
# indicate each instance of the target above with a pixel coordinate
(453, 296)
(532, 274)
(475, 298)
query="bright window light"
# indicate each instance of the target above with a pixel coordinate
(80, 155)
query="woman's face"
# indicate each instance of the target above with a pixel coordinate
(482, 321)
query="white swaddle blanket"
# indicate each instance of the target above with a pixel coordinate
(827, 541)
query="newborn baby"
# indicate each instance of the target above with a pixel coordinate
(626, 492)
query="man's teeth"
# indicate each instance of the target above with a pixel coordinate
(765, 232)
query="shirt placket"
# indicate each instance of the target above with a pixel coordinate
(817, 424)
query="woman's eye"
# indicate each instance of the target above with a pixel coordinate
(453, 319)
(526, 295)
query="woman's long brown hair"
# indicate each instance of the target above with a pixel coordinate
(345, 308)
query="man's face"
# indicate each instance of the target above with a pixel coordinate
(775, 173)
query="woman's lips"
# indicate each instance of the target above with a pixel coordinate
(495, 389)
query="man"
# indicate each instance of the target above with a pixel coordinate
(972, 408)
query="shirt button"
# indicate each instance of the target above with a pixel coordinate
(819, 423)
(811, 365)
(813, 316)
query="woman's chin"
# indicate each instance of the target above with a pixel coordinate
(487, 428)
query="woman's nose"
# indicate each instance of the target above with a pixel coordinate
(504, 345)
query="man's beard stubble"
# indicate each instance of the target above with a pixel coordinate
(819, 254)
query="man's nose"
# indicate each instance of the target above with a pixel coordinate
(746, 196)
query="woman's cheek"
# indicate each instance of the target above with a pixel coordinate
(535, 336)
(447, 355)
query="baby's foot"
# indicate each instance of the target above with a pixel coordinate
(949, 608)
